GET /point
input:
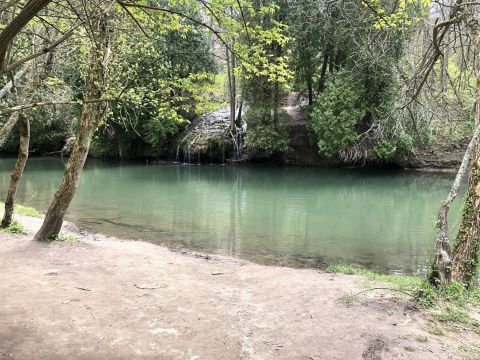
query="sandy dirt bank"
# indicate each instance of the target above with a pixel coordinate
(109, 299)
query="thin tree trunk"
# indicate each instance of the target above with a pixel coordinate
(30, 89)
(310, 89)
(238, 120)
(323, 71)
(24, 127)
(92, 114)
(9, 86)
(231, 90)
(7, 128)
(234, 94)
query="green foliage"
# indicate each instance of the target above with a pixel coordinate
(384, 149)
(14, 228)
(393, 149)
(436, 330)
(400, 282)
(349, 298)
(66, 238)
(452, 314)
(447, 308)
(469, 265)
(162, 68)
(404, 14)
(335, 115)
(171, 74)
(27, 211)
(421, 338)
(267, 133)
(454, 293)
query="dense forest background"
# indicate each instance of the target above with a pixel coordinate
(321, 82)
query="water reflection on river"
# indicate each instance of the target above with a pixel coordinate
(292, 216)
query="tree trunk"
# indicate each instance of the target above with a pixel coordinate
(323, 71)
(10, 85)
(441, 267)
(92, 114)
(231, 89)
(467, 244)
(29, 11)
(310, 89)
(30, 89)
(24, 127)
(238, 120)
(460, 265)
(7, 128)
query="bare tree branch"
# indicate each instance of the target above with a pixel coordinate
(43, 51)
(52, 103)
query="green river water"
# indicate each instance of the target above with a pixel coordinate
(302, 217)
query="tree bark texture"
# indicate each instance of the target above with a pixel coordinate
(460, 265)
(9, 86)
(92, 114)
(441, 272)
(24, 128)
(7, 128)
(32, 8)
(467, 244)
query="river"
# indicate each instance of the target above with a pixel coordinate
(301, 217)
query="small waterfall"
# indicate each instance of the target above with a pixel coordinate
(210, 151)
(223, 154)
(177, 155)
(237, 140)
(208, 139)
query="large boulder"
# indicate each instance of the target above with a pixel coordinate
(208, 140)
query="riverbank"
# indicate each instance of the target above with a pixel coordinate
(103, 298)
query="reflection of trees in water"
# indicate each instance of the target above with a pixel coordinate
(379, 218)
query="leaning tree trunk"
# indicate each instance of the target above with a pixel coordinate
(92, 113)
(460, 265)
(29, 11)
(441, 268)
(467, 244)
(24, 128)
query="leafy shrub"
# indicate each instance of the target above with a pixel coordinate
(384, 150)
(390, 149)
(334, 116)
(15, 228)
(66, 238)
(267, 132)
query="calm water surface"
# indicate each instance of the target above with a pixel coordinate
(292, 216)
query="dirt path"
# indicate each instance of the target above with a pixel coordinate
(301, 151)
(293, 107)
(111, 299)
